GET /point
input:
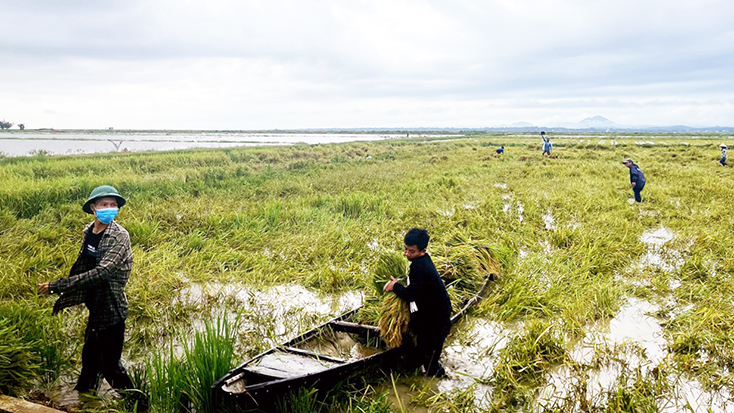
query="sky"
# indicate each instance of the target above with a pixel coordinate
(294, 64)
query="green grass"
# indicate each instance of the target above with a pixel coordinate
(311, 215)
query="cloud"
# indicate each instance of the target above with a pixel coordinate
(289, 64)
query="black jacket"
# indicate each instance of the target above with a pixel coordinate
(636, 175)
(428, 292)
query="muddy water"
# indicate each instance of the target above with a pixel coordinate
(632, 341)
(469, 358)
(289, 308)
(635, 337)
(659, 254)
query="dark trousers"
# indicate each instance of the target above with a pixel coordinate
(427, 349)
(101, 355)
(722, 161)
(637, 189)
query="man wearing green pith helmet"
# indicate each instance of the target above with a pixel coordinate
(97, 279)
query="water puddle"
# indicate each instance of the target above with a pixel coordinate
(550, 222)
(690, 394)
(658, 254)
(657, 237)
(278, 313)
(340, 345)
(373, 245)
(500, 185)
(632, 339)
(520, 210)
(447, 213)
(469, 359)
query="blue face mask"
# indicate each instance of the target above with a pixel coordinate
(106, 215)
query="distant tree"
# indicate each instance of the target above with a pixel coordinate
(5, 125)
(21, 126)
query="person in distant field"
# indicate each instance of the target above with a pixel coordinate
(637, 178)
(97, 279)
(722, 161)
(501, 150)
(547, 145)
(430, 306)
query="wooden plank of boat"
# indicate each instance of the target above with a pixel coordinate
(283, 365)
(12, 405)
(349, 327)
(307, 353)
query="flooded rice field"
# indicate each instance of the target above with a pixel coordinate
(630, 346)
(600, 304)
(30, 143)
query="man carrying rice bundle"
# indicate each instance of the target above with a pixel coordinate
(430, 306)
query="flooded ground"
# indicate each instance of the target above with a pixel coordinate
(278, 313)
(631, 344)
(29, 143)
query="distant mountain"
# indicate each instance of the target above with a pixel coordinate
(592, 124)
(521, 125)
(597, 122)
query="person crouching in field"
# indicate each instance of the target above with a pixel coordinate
(637, 178)
(97, 279)
(430, 306)
(722, 161)
(500, 150)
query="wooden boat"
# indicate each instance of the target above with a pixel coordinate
(332, 352)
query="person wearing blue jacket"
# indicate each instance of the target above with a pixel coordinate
(429, 302)
(722, 160)
(637, 178)
(547, 145)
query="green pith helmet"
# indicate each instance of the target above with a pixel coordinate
(101, 192)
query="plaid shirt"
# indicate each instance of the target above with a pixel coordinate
(101, 288)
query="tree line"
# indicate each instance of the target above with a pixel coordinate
(7, 125)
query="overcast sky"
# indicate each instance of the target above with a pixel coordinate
(242, 64)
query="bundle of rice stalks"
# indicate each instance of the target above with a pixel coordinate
(466, 262)
(388, 312)
(389, 264)
(393, 322)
